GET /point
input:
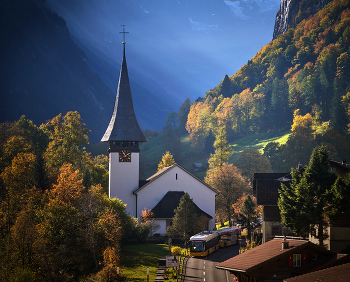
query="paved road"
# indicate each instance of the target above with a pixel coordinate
(203, 269)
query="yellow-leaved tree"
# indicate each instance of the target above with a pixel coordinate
(167, 160)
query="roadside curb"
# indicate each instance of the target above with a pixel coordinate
(183, 270)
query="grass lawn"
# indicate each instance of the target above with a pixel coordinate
(153, 150)
(136, 259)
(256, 141)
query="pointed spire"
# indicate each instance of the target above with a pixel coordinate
(123, 125)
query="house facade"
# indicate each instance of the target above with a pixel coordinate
(175, 179)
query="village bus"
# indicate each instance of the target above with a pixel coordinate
(206, 242)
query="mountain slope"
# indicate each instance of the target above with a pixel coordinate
(43, 72)
(304, 68)
(292, 12)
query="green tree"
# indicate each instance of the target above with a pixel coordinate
(249, 212)
(173, 144)
(186, 222)
(182, 116)
(171, 122)
(167, 160)
(272, 153)
(280, 112)
(251, 160)
(67, 137)
(40, 175)
(222, 154)
(339, 198)
(303, 204)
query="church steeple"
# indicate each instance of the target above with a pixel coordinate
(123, 125)
(123, 135)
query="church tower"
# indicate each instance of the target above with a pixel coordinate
(123, 135)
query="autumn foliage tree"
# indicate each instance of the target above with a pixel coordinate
(231, 185)
(69, 185)
(167, 160)
(56, 221)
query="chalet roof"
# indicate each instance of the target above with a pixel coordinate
(123, 125)
(338, 273)
(167, 169)
(264, 254)
(165, 208)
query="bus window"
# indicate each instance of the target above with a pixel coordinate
(197, 246)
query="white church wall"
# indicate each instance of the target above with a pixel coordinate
(162, 226)
(176, 179)
(124, 179)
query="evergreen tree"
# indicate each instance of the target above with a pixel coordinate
(171, 122)
(40, 177)
(173, 144)
(186, 221)
(339, 197)
(303, 204)
(249, 213)
(222, 150)
(182, 116)
(280, 112)
(225, 87)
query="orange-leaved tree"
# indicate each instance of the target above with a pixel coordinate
(69, 185)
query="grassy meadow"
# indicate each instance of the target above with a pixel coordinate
(152, 151)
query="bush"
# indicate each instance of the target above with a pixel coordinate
(176, 251)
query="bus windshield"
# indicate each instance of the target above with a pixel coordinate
(197, 246)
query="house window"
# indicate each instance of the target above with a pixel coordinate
(296, 260)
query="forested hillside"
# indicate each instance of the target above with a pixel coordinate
(298, 81)
(43, 73)
(57, 222)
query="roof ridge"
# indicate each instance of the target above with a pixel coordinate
(164, 170)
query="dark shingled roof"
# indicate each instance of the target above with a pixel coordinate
(123, 125)
(165, 208)
(337, 273)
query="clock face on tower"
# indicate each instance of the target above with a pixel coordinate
(125, 156)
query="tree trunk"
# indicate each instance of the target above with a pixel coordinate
(320, 232)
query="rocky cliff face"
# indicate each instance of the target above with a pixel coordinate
(292, 12)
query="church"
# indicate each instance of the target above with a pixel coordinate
(162, 191)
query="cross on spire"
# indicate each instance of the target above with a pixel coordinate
(123, 26)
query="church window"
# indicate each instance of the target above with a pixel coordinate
(132, 144)
(176, 176)
(125, 144)
(116, 144)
